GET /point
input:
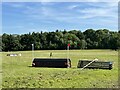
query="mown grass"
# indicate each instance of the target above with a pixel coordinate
(18, 73)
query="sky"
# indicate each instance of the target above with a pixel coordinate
(25, 17)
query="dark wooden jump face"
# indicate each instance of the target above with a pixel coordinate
(51, 62)
(95, 64)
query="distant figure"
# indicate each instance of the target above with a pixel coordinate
(19, 54)
(51, 54)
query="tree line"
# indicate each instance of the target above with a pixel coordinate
(89, 39)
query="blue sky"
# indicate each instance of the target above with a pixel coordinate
(21, 17)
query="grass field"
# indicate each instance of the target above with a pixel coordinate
(18, 73)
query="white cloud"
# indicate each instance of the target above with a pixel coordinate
(104, 4)
(73, 6)
(103, 10)
(108, 10)
(93, 12)
(46, 13)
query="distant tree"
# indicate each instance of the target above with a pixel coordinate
(90, 39)
(16, 43)
(80, 35)
(89, 44)
(102, 38)
(83, 44)
(89, 33)
(0, 43)
(72, 39)
(44, 41)
(118, 41)
(26, 41)
(64, 32)
(5, 42)
(114, 40)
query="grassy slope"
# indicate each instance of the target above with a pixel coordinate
(18, 73)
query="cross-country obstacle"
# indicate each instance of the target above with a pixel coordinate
(94, 64)
(13, 54)
(52, 62)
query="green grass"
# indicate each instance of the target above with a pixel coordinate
(18, 73)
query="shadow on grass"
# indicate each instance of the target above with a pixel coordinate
(29, 66)
(37, 67)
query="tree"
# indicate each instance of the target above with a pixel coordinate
(114, 41)
(0, 43)
(90, 39)
(83, 44)
(102, 37)
(5, 42)
(89, 33)
(72, 39)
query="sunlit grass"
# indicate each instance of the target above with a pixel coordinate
(18, 73)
